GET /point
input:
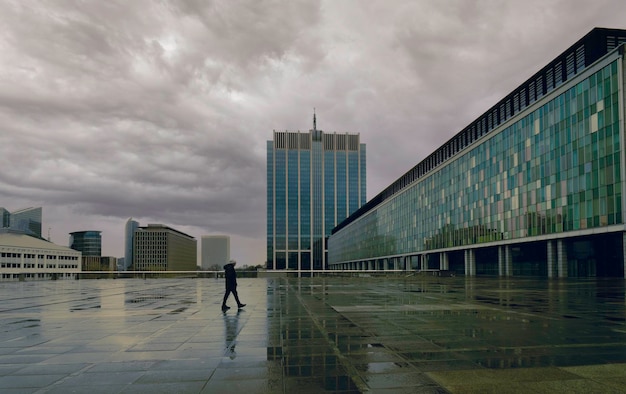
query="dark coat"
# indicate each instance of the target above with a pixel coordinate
(231, 276)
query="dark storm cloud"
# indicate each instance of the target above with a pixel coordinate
(161, 111)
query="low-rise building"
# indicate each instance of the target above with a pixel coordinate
(23, 256)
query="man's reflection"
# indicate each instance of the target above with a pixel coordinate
(231, 324)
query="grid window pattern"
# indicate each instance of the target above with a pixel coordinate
(161, 248)
(556, 168)
(577, 58)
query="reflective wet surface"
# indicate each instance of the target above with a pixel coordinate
(314, 335)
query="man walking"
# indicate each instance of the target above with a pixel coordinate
(231, 285)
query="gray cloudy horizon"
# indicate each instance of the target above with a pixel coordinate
(160, 111)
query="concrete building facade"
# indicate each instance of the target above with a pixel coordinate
(25, 257)
(534, 186)
(161, 248)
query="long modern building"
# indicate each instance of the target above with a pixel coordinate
(161, 248)
(533, 187)
(315, 180)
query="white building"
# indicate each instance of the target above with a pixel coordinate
(24, 256)
(215, 251)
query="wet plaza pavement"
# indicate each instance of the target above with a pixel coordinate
(410, 334)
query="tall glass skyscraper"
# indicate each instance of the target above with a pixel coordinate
(5, 217)
(131, 227)
(27, 220)
(314, 181)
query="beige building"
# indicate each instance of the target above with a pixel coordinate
(99, 263)
(161, 248)
(23, 256)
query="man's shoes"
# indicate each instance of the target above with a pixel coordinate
(241, 306)
(225, 308)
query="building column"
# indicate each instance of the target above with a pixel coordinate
(500, 260)
(473, 261)
(561, 258)
(422, 262)
(470, 262)
(443, 261)
(551, 258)
(508, 261)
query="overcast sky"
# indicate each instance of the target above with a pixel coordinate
(160, 110)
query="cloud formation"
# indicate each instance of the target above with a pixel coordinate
(161, 111)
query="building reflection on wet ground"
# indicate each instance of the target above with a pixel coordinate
(414, 334)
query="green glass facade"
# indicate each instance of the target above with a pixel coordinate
(554, 170)
(315, 180)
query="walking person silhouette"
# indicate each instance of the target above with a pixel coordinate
(231, 285)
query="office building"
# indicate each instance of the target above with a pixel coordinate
(25, 257)
(533, 187)
(215, 251)
(5, 217)
(98, 263)
(27, 220)
(314, 181)
(129, 231)
(161, 248)
(89, 243)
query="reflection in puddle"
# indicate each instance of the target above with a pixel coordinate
(231, 329)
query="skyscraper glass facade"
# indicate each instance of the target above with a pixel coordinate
(87, 242)
(129, 232)
(538, 193)
(27, 220)
(5, 217)
(314, 181)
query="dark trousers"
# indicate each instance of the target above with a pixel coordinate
(228, 291)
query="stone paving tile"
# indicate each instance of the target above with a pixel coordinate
(314, 335)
